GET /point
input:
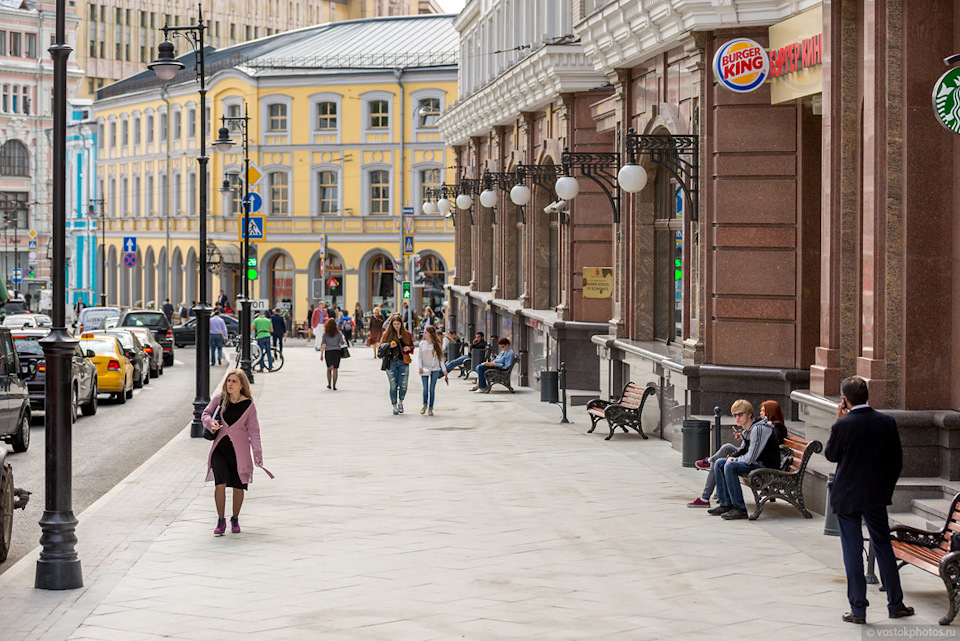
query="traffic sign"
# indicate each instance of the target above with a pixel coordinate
(31, 244)
(323, 245)
(17, 274)
(129, 243)
(31, 254)
(254, 202)
(258, 304)
(129, 259)
(32, 233)
(408, 211)
(31, 261)
(255, 229)
(253, 175)
(408, 244)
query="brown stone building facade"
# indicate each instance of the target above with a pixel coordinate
(812, 235)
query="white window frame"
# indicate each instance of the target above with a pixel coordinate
(315, 188)
(423, 94)
(272, 99)
(315, 100)
(268, 201)
(368, 98)
(365, 195)
(418, 182)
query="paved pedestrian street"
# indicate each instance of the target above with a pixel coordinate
(489, 520)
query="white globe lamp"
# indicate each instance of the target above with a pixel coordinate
(567, 188)
(488, 198)
(632, 178)
(520, 195)
(444, 206)
(464, 201)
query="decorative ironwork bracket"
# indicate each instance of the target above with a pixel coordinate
(472, 187)
(601, 168)
(679, 155)
(445, 191)
(544, 176)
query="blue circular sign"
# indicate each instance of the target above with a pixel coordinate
(254, 202)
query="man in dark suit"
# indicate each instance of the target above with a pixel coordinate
(865, 446)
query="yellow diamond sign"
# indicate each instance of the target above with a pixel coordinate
(253, 175)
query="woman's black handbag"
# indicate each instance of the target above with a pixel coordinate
(344, 352)
(207, 434)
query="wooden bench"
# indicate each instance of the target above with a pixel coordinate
(933, 553)
(768, 484)
(623, 413)
(495, 376)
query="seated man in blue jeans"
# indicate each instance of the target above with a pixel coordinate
(760, 449)
(503, 361)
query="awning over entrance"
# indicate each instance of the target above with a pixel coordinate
(229, 254)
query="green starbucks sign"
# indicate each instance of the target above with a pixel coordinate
(946, 100)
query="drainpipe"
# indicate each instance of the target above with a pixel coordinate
(398, 74)
(37, 132)
(166, 213)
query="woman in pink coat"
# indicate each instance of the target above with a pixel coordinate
(232, 416)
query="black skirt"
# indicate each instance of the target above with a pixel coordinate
(332, 357)
(224, 464)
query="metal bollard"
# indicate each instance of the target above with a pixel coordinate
(830, 525)
(716, 429)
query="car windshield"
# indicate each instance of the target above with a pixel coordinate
(100, 345)
(144, 319)
(27, 345)
(125, 339)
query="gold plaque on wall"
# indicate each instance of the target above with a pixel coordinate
(597, 282)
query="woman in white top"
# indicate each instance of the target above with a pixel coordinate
(431, 365)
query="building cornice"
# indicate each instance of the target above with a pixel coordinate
(529, 85)
(624, 33)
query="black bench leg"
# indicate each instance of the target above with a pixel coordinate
(950, 573)
(613, 428)
(594, 420)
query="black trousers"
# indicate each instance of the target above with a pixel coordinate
(851, 541)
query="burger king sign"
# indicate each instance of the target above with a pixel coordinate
(741, 65)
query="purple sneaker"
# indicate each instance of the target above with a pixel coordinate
(703, 464)
(235, 524)
(221, 527)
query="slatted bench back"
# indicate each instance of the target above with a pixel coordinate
(797, 446)
(632, 395)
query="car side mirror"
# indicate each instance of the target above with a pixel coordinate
(90, 353)
(130, 353)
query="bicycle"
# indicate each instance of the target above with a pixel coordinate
(255, 355)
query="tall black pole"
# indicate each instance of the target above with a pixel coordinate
(202, 310)
(245, 363)
(58, 567)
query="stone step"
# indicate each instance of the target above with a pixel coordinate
(580, 397)
(934, 510)
(911, 519)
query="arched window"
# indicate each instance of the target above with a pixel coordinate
(381, 282)
(281, 280)
(14, 160)
(332, 276)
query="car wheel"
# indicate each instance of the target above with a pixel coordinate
(154, 373)
(121, 397)
(168, 360)
(179, 345)
(90, 407)
(129, 393)
(74, 404)
(21, 440)
(6, 510)
(138, 382)
(146, 376)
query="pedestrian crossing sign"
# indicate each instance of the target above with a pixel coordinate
(254, 231)
(407, 244)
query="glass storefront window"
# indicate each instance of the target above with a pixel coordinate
(381, 283)
(332, 280)
(281, 280)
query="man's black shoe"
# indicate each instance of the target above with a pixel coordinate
(907, 611)
(735, 514)
(850, 617)
(720, 509)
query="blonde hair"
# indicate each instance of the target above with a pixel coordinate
(245, 390)
(741, 405)
(432, 336)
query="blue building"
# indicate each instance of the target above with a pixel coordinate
(84, 205)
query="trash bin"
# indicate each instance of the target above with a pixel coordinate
(452, 351)
(549, 386)
(696, 441)
(476, 357)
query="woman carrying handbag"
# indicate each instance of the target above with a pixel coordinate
(396, 346)
(232, 417)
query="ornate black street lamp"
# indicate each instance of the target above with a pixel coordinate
(58, 567)
(96, 205)
(167, 66)
(224, 144)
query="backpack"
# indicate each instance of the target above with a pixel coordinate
(347, 323)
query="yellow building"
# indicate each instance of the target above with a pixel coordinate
(343, 130)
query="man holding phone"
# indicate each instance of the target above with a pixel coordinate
(866, 447)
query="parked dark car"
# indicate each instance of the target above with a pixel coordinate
(11, 499)
(186, 334)
(157, 322)
(133, 349)
(15, 401)
(152, 347)
(13, 306)
(83, 382)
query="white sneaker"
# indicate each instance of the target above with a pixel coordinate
(429, 412)
(423, 409)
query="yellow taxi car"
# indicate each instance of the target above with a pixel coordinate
(114, 369)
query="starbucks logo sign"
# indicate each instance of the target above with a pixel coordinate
(946, 100)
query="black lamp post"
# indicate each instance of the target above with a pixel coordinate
(223, 144)
(96, 205)
(166, 67)
(58, 567)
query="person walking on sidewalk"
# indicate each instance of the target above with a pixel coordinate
(345, 323)
(261, 327)
(278, 329)
(232, 416)
(331, 349)
(376, 331)
(866, 447)
(395, 349)
(431, 364)
(218, 337)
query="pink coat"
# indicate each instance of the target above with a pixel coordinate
(244, 435)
